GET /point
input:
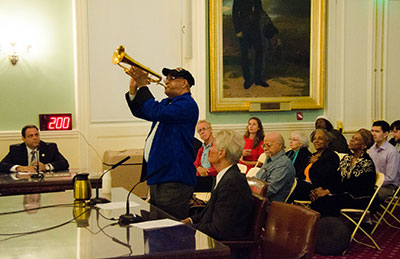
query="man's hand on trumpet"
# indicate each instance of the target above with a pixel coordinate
(138, 79)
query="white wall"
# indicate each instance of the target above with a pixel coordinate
(363, 62)
(150, 41)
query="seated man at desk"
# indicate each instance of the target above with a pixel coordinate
(228, 213)
(23, 157)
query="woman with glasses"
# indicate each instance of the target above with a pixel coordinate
(299, 153)
(254, 138)
(321, 168)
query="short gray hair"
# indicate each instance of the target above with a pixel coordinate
(204, 121)
(302, 138)
(232, 143)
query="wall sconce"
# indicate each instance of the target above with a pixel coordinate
(14, 52)
(13, 59)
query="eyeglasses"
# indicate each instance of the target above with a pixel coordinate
(266, 145)
(202, 129)
(171, 78)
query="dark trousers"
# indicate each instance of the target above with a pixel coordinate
(302, 191)
(252, 40)
(172, 198)
(330, 205)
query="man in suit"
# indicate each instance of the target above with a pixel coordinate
(228, 213)
(168, 151)
(23, 157)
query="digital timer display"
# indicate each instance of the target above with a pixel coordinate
(55, 121)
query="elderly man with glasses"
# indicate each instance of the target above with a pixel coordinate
(205, 170)
(203, 166)
(168, 152)
(277, 169)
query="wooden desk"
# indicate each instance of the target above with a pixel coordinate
(53, 182)
(92, 235)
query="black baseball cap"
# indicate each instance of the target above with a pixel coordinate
(179, 72)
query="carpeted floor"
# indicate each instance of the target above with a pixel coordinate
(386, 237)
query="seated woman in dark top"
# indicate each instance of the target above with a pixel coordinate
(299, 153)
(321, 169)
(356, 183)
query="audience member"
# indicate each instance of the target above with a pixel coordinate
(299, 153)
(23, 157)
(168, 151)
(253, 137)
(338, 143)
(278, 171)
(386, 159)
(321, 170)
(395, 128)
(205, 171)
(356, 183)
(203, 166)
(228, 213)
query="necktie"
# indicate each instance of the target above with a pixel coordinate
(33, 157)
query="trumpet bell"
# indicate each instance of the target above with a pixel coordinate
(120, 56)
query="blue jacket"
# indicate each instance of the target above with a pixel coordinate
(171, 156)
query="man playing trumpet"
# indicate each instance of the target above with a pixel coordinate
(168, 152)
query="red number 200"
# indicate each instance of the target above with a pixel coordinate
(59, 123)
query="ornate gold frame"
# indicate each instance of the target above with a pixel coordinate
(317, 65)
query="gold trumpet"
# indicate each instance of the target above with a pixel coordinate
(120, 56)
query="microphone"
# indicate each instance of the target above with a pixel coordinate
(129, 218)
(37, 175)
(97, 200)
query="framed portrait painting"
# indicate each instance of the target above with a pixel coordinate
(267, 54)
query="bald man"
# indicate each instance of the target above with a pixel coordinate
(277, 169)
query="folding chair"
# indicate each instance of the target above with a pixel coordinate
(261, 160)
(391, 202)
(242, 168)
(252, 172)
(291, 190)
(340, 155)
(346, 213)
